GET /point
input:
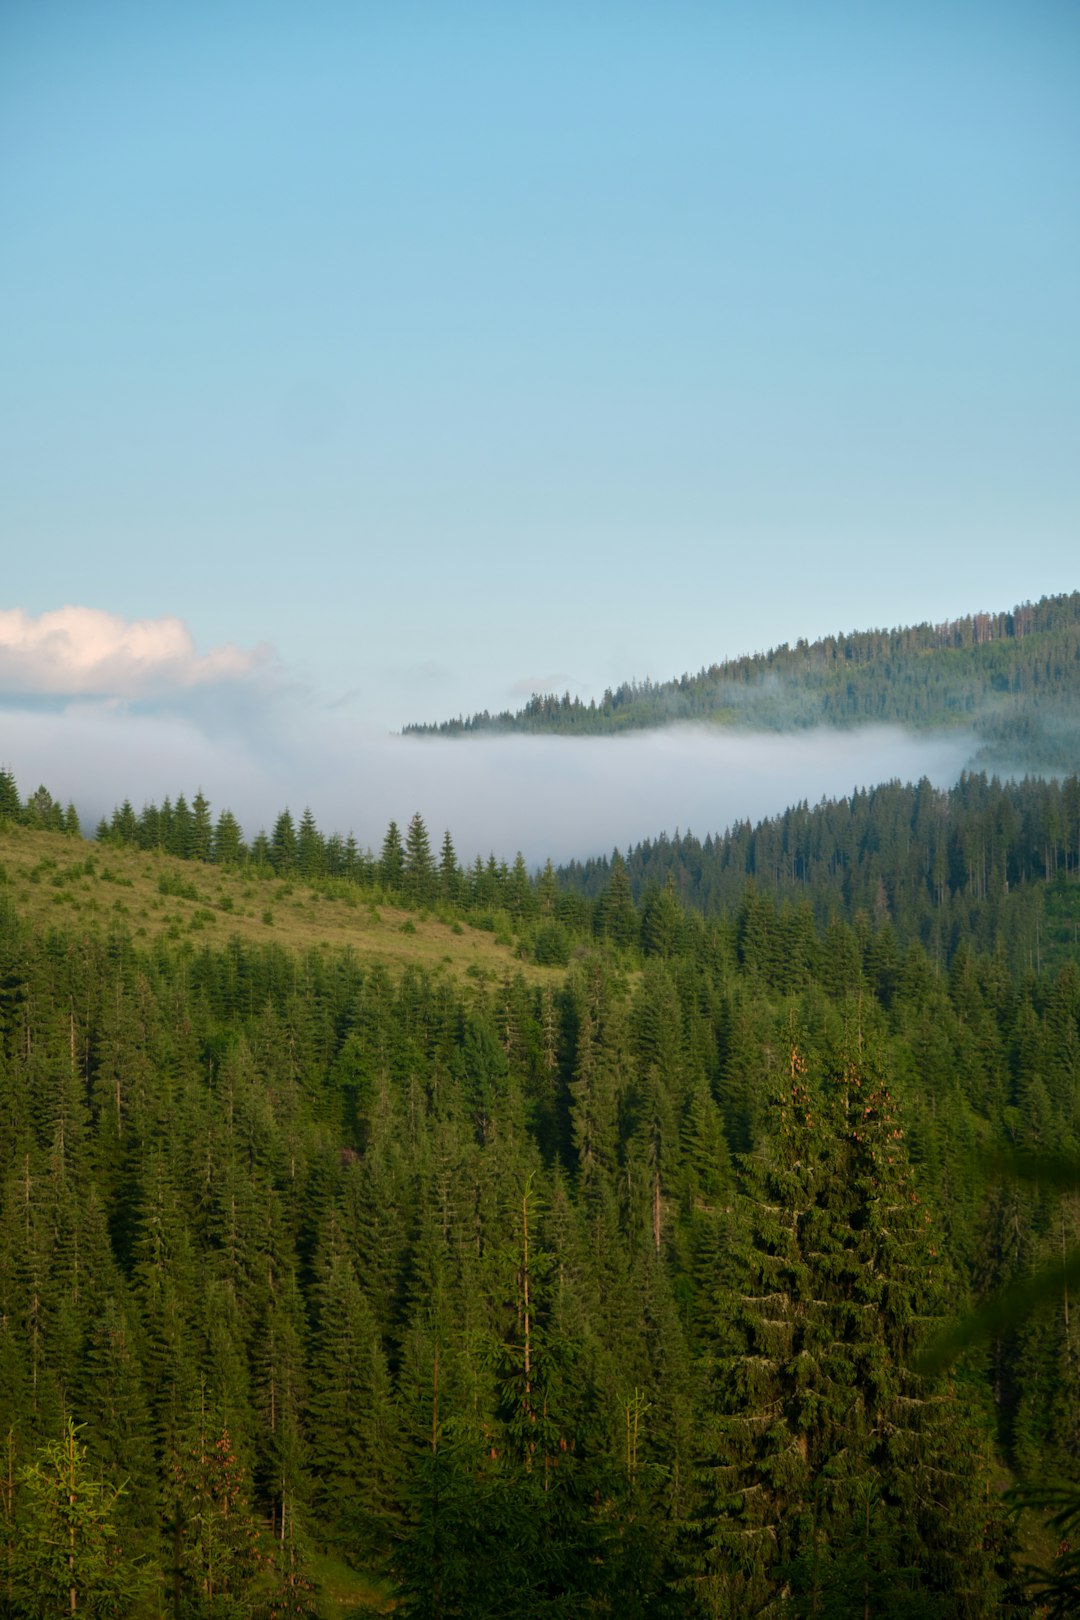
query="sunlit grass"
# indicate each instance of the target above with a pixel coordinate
(53, 880)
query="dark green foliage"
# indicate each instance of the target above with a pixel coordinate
(989, 864)
(10, 803)
(227, 848)
(418, 871)
(202, 831)
(215, 1537)
(392, 858)
(250, 1199)
(310, 847)
(1056, 1590)
(834, 1468)
(486, 1539)
(283, 847)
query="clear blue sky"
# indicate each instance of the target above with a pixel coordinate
(456, 349)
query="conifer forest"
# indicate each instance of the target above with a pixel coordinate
(689, 1232)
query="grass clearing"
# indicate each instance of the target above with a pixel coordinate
(342, 1592)
(55, 880)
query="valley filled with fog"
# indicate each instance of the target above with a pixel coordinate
(557, 797)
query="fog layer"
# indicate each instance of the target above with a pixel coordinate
(547, 796)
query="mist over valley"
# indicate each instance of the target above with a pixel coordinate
(562, 798)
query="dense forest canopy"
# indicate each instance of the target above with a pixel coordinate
(1014, 677)
(589, 1280)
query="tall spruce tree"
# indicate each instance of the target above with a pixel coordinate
(391, 858)
(419, 868)
(838, 1480)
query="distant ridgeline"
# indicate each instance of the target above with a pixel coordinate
(1013, 676)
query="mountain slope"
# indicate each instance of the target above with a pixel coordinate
(1014, 676)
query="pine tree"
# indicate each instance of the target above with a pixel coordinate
(662, 921)
(179, 841)
(352, 1420)
(311, 847)
(123, 827)
(449, 872)
(822, 1430)
(68, 1558)
(215, 1533)
(615, 914)
(202, 828)
(10, 803)
(391, 859)
(228, 847)
(283, 844)
(419, 869)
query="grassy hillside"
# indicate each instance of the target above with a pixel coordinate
(54, 880)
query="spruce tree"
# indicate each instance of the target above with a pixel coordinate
(311, 847)
(202, 829)
(227, 848)
(391, 859)
(821, 1427)
(419, 869)
(449, 872)
(10, 803)
(283, 844)
(69, 1559)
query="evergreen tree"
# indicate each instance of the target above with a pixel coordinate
(449, 872)
(179, 840)
(10, 803)
(202, 829)
(227, 848)
(216, 1536)
(123, 828)
(354, 1429)
(69, 1558)
(311, 847)
(392, 859)
(662, 921)
(615, 915)
(283, 844)
(834, 1468)
(419, 869)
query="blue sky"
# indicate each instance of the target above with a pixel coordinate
(424, 355)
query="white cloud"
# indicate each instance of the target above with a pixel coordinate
(84, 652)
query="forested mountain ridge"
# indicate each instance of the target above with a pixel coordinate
(1014, 676)
(597, 1294)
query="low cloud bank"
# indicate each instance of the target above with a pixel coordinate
(547, 796)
